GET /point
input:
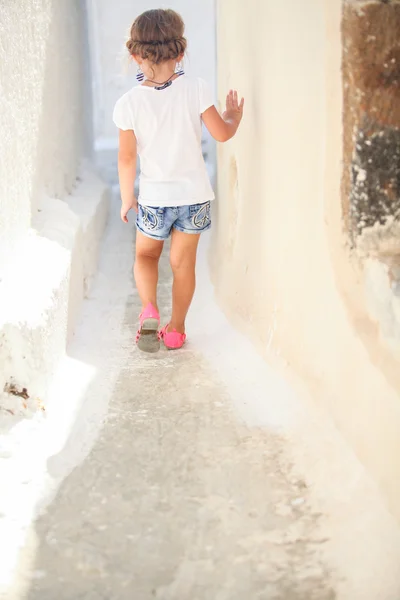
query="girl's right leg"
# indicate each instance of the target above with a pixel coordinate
(148, 252)
(183, 264)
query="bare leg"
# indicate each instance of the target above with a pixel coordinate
(183, 264)
(148, 254)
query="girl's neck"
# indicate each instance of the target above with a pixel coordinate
(161, 73)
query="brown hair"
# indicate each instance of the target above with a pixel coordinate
(157, 35)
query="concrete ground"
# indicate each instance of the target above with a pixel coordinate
(195, 475)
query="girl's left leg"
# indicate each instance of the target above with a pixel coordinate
(148, 252)
(183, 263)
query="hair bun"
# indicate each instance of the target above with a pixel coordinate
(157, 35)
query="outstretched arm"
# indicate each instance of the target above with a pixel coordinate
(224, 128)
(127, 157)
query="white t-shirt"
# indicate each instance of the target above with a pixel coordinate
(167, 125)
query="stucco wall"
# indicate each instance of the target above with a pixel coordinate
(280, 265)
(114, 74)
(45, 132)
(40, 108)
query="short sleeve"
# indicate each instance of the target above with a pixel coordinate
(205, 96)
(121, 115)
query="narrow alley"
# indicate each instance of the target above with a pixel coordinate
(261, 461)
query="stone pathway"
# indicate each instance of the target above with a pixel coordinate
(176, 481)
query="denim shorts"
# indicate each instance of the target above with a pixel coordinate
(158, 222)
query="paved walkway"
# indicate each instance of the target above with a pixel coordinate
(176, 480)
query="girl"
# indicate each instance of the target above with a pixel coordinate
(160, 120)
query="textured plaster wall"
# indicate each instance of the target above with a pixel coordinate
(52, 206)
(40, 108)
(280, 263)
(371, 74)
(114, 74)
(371, 165)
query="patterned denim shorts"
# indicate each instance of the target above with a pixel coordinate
(157, 223)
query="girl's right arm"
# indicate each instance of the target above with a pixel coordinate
(224, 128)
(127, 157)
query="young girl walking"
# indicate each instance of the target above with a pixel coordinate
(161, 120)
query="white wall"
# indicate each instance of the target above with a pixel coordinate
(45, 133)
(114, 74)
(41, 112)
(279, 263)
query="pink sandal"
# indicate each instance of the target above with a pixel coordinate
(147, 338)
(173, 340)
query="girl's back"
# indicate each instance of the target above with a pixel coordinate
(168, 127)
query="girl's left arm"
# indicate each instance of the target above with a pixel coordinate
(224, 128)
(127, 158)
